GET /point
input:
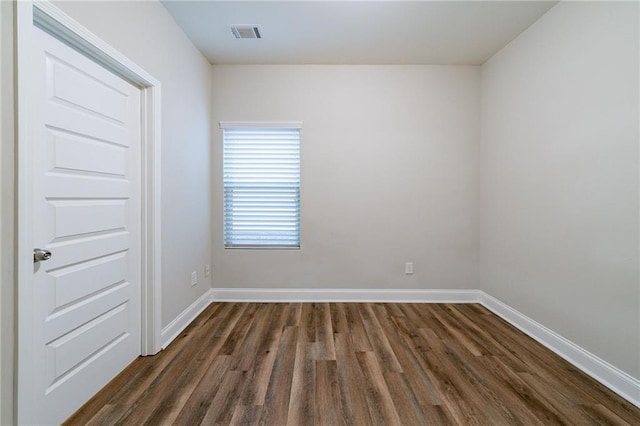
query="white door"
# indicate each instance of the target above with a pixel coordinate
(85, 124)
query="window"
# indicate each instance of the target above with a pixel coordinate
(261, 168)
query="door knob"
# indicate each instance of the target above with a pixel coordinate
(40, 255)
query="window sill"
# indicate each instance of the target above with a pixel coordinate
(262, 248)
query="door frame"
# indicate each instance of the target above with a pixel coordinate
(52, 20)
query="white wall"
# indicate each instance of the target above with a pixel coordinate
(7, 146)
(389, 174)
(147, 34)
(559, 177)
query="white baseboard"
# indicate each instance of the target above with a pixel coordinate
(342, 295)
(615, 379)
(175, 327)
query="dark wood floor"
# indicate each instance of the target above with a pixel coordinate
(356, 364)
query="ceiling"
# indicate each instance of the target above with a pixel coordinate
(356, 32)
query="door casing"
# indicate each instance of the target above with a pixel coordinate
(52, 20)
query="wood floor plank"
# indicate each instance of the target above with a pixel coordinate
(108, 415)
(252, 341)
(127, 387)
(553, 406)
(245, 415)
(379, 340)
(408, 406)
(328, 404)
(458, 332)
(353, 364)
(302, 395)
(351, 382)
(338, 318)
(92, 411)
(324, 347)
(358, 334)
(394, 309)
(159, 398)
(483, 387)
(381, 406)
(265, 357)
(177, 395)
(516, 393)
(196, 407)
(550, 367)
(309, 321)
(418, 381)
(237, 335)
(497, 344)
(458, 395)
(294, 313)
(276, 401)
(602, 415)
(226, 399)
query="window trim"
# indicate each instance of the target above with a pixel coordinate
(261, 124)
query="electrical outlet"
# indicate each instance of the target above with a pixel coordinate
(207, 270)
(408, 268)
(194, 278)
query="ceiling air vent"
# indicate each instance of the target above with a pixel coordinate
(246, 31)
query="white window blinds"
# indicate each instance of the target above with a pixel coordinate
(261, 187)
